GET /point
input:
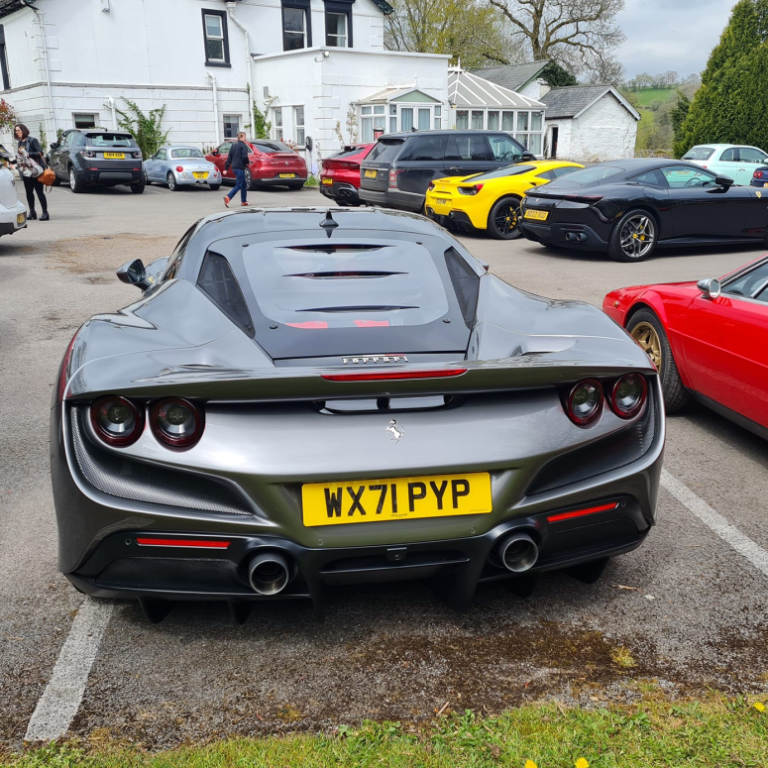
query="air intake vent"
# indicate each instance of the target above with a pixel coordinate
(219, 283)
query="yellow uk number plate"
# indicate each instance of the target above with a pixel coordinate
(200, 174)
(114, 155)
(21, 218)
(538, 215)
(328, 182)
(370, 174)
(287, 175)
(442, 201)
(401, 498)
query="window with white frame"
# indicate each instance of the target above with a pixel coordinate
(85, 120)
(372, 119)
(231, 126)
(298, 125)
(336, 29)
(215, 37)
(277, 115)
(297, 30)
(397, 117)
(525, 125)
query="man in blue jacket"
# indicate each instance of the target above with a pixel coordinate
(238, 159)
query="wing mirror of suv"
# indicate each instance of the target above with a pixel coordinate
(134, 273)
(724, 181)
(526, 157)
(709, 287)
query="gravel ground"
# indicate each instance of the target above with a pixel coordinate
(695, 616)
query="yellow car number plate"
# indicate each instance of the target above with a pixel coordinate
(287, 175)
(200, 174)
(21, 218)
(370, 174)
(538, 215)
(401, 498)
(442, 201)
(114, 155)
(328, 182)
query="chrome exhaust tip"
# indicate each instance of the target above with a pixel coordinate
(268, 573)
(518, 553)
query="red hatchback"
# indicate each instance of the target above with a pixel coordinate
(270, 163)
(340, 177)
(709, 340)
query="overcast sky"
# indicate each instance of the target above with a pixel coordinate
(671, 34)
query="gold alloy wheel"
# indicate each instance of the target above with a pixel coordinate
(648, 338)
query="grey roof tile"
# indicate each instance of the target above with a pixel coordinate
(512, 76)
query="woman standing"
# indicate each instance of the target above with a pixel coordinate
(30, 148)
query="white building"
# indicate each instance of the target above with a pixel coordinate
(317, 67)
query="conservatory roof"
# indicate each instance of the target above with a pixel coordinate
(468, 90)
(406, 93)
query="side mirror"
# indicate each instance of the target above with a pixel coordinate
(723, 181)
(55, 145)
(709, 287)
(526, 157)
(215, 153)
(134, 273)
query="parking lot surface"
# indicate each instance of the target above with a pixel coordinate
(689, 609)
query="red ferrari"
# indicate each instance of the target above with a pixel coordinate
(708, 339)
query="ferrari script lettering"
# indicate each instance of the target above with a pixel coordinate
(365, 359)
(379, 499)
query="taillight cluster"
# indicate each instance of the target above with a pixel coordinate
(757, 175)
(473, 190)
(175, 422)
(626, 397)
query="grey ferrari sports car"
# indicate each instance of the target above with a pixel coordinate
(300, 399)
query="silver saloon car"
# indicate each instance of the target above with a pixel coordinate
(302, 399)
(179, 166)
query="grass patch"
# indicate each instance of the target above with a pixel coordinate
(654, 733)
(646, 96)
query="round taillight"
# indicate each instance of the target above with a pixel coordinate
(176, 422)
(179, 168)
(585, 402)
(757, 175)
(116, 421)
(628, 395)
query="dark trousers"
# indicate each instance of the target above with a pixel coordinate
(239, 184)
(31, 186)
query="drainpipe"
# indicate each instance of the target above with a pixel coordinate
(111, 105)
(212, 81)
(231, 10)
(39, 18)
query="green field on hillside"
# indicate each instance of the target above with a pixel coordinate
(646, 96)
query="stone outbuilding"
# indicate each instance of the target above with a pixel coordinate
(590, 123)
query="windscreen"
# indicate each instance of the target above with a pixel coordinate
(270, 147)
(186, 152)
(346, 285)
(699, 153)
(111, 140)
(500, 173)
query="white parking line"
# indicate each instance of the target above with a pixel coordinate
(716, 522)
(62, 696)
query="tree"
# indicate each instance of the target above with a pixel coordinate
(145, 128)
(579, 34)
(467, 30)
(678, 114)
(731, 105)
(556, 76)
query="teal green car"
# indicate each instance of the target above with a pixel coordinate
(733, 160)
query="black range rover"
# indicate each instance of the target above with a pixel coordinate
(97, 157)
(398, 170)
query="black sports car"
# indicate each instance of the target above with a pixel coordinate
(629, 207)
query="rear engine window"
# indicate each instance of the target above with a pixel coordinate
(596, 173)
(385, 151)
(270, 147)
(186, 152)
(699, 153)
(111, 140)
(510, 170)
(347, 153)
(316, 286)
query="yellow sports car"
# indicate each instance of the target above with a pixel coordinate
(490, 201)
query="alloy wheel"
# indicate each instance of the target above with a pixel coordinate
(648, 339)
(507, 218)
(171, 182)
(638, 236)
(72, 179)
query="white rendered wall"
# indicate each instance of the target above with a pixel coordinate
(606, 131)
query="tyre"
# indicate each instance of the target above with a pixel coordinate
(504, 219)
(248, 181)
(296, 186)
(646, 329)
(170, 180)
(75, 185)
(634, 237)
(138, 188)
(214, 187)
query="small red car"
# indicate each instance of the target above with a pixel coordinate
(340, 177)
(709, 340)
(270, 163)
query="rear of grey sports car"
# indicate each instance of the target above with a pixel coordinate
(299, 401)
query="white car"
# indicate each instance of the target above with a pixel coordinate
(13, 213)
(733, 160)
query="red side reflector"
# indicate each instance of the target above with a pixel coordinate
(371, 323)
(309, 324)
(200, 543)
(392, 375)
(581, 512)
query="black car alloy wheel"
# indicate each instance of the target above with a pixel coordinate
(504, 219)
(634, 237)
